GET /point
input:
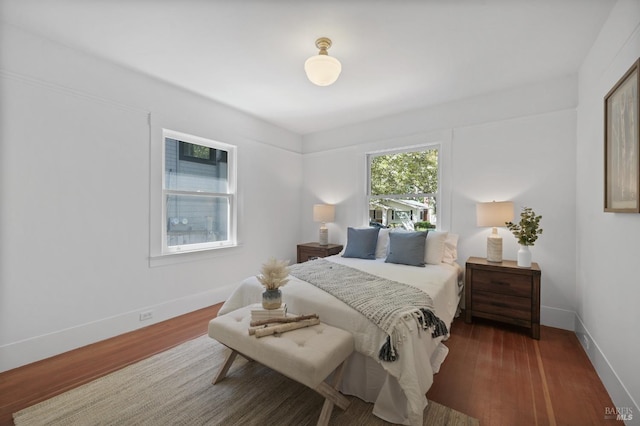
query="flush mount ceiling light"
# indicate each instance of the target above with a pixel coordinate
(322, 69)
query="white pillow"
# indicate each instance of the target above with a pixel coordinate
(383, 243)
(434, 252)
(451, 249)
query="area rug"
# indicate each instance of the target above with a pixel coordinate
(174, 388)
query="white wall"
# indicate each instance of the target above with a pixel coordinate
(79, 210)
(608, 266)
(514, 145)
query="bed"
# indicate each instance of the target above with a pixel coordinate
(396, 388)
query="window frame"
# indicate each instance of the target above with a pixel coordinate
(230, 195)
(439, 146)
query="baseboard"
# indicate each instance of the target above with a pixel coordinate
(617, 391)
(558, 318)
(24, 352)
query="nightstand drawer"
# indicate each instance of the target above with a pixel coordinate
(500, 304)
(310, 251)
(502, 283)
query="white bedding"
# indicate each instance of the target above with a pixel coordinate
(397, 388)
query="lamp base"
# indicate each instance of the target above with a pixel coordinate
(324, 236)
(494, 248)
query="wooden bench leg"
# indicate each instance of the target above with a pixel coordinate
(333, 397)
(225, 366)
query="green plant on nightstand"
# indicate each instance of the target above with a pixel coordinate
(526, 232)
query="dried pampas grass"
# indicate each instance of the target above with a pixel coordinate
(274, 274)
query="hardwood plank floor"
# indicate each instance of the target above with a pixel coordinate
(500, 375)
(493, 372)
(33, 383)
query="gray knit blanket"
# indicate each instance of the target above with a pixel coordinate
(384, 302)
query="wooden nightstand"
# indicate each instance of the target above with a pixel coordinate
(308, 250)
(503, 292)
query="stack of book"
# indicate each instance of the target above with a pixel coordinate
(259, 313)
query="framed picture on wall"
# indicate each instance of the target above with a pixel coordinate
(621, 144)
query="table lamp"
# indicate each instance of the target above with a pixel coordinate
(324, 213)
(494, 214)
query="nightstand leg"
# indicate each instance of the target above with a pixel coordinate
(535, 331)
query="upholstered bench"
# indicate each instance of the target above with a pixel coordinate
(306, 355)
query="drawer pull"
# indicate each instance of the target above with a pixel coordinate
(502, 283)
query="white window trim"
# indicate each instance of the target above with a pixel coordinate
(231, 195)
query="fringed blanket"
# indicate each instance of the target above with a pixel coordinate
(382, 301)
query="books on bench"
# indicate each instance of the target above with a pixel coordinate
(259, 313)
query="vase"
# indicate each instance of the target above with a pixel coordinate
(272, 299)
(524, 257)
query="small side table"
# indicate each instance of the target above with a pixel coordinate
(503, 292)
(307, 251)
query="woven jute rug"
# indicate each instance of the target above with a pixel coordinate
(174, 388)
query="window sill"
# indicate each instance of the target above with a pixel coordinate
(166, 259)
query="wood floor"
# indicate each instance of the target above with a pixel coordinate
(501, 376)
(25, 386)
(495, 373)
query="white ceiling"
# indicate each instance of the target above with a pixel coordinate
(396, 55)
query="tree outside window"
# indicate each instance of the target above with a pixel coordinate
(403, 187)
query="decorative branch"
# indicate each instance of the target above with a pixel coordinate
(283, 328)
(281, 320)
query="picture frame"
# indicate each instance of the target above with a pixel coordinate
(622, 144)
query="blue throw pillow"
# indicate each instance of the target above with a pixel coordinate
(407, 248)
(361, 243)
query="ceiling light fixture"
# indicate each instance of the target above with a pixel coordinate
(322, 69)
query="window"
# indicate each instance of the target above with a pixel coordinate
(201, 154)
(198, 192)
(403, 188)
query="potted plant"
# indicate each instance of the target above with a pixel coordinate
(273, 275)
(526, 232)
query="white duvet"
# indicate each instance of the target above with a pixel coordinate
(397, 388)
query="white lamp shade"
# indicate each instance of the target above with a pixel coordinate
(324, 213)
(494, 214)
(322, 70)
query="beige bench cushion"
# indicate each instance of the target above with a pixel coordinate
(306, 355)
